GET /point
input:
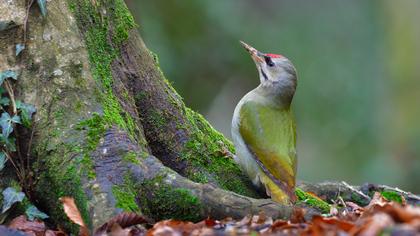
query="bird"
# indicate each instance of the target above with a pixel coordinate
(264, 128)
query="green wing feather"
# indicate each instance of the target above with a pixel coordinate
(270, 134)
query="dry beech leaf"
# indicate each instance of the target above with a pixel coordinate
(355, 208)
(128, 219)
(380, 214)
(30, 227)
(123, 220)
(298, 215)
(377, 199)
(54, 233)
(336, 223)
(172, 227)
(279, 224)
(399, 213)
(374, 225)
(117, 230)
(209, 222)
(73, 213)
(245, 221)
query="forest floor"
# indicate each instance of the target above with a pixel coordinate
(387, 213)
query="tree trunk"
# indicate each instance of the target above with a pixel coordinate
(107, 119)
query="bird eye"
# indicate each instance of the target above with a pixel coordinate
(269, 61)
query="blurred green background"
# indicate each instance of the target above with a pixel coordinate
(358, 98)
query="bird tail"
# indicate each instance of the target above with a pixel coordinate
(276, 193)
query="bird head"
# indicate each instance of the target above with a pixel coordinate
(277, 74)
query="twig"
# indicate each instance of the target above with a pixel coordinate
(22, 162)
(11, 95)
(12, 100)
(341, 200)
(355, 190)
(25, 22)
(28, 153)
(13, 163)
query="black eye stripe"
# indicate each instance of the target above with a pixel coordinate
(264, 74)
(268, 61)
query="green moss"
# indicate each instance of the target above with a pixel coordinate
(311, 200)
(140, 96)
(205, 150)
(392, 196)
(78, 106)
(98, 28)
(155, 58)
(59, 181)
(59, 114)
(104, 34)
(125, 195)
(88, 166)
(162, 201)
(76, 73)
(60, 172)
(124, 22)
(198, 177)
(96, 128)
(357, 198)
(131, 157)
(125, 199)
(205, 147)
(144, 154)
(16, 185)
(157, 118)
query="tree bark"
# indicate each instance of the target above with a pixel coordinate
(96, 88)
(109, 130)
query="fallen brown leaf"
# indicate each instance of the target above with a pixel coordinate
(374, 225)
(298, 215)
(29, 227)
(54, 233)
(10, 232)
(123, 220)
(73, 213)
(172, 227)
(334, 223)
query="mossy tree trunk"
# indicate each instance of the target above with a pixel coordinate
(107, 119)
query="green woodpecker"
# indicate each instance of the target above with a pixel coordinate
(263, 127)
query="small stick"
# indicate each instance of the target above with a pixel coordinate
(25, 22)
(13, 163)
(11, 95)
(355, 190)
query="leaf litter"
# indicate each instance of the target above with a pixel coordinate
(379, 217)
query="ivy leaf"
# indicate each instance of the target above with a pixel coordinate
(4, 101)
(42, 4)
(11, 196)
(6, 123)
(27, 111)
(5, 25)
(9, 143)
(32, 212)
(3, 160)
(7, 74)
(19, 48)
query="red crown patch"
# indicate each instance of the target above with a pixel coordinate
(273, 55)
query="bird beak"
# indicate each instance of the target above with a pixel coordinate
(257, 56)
